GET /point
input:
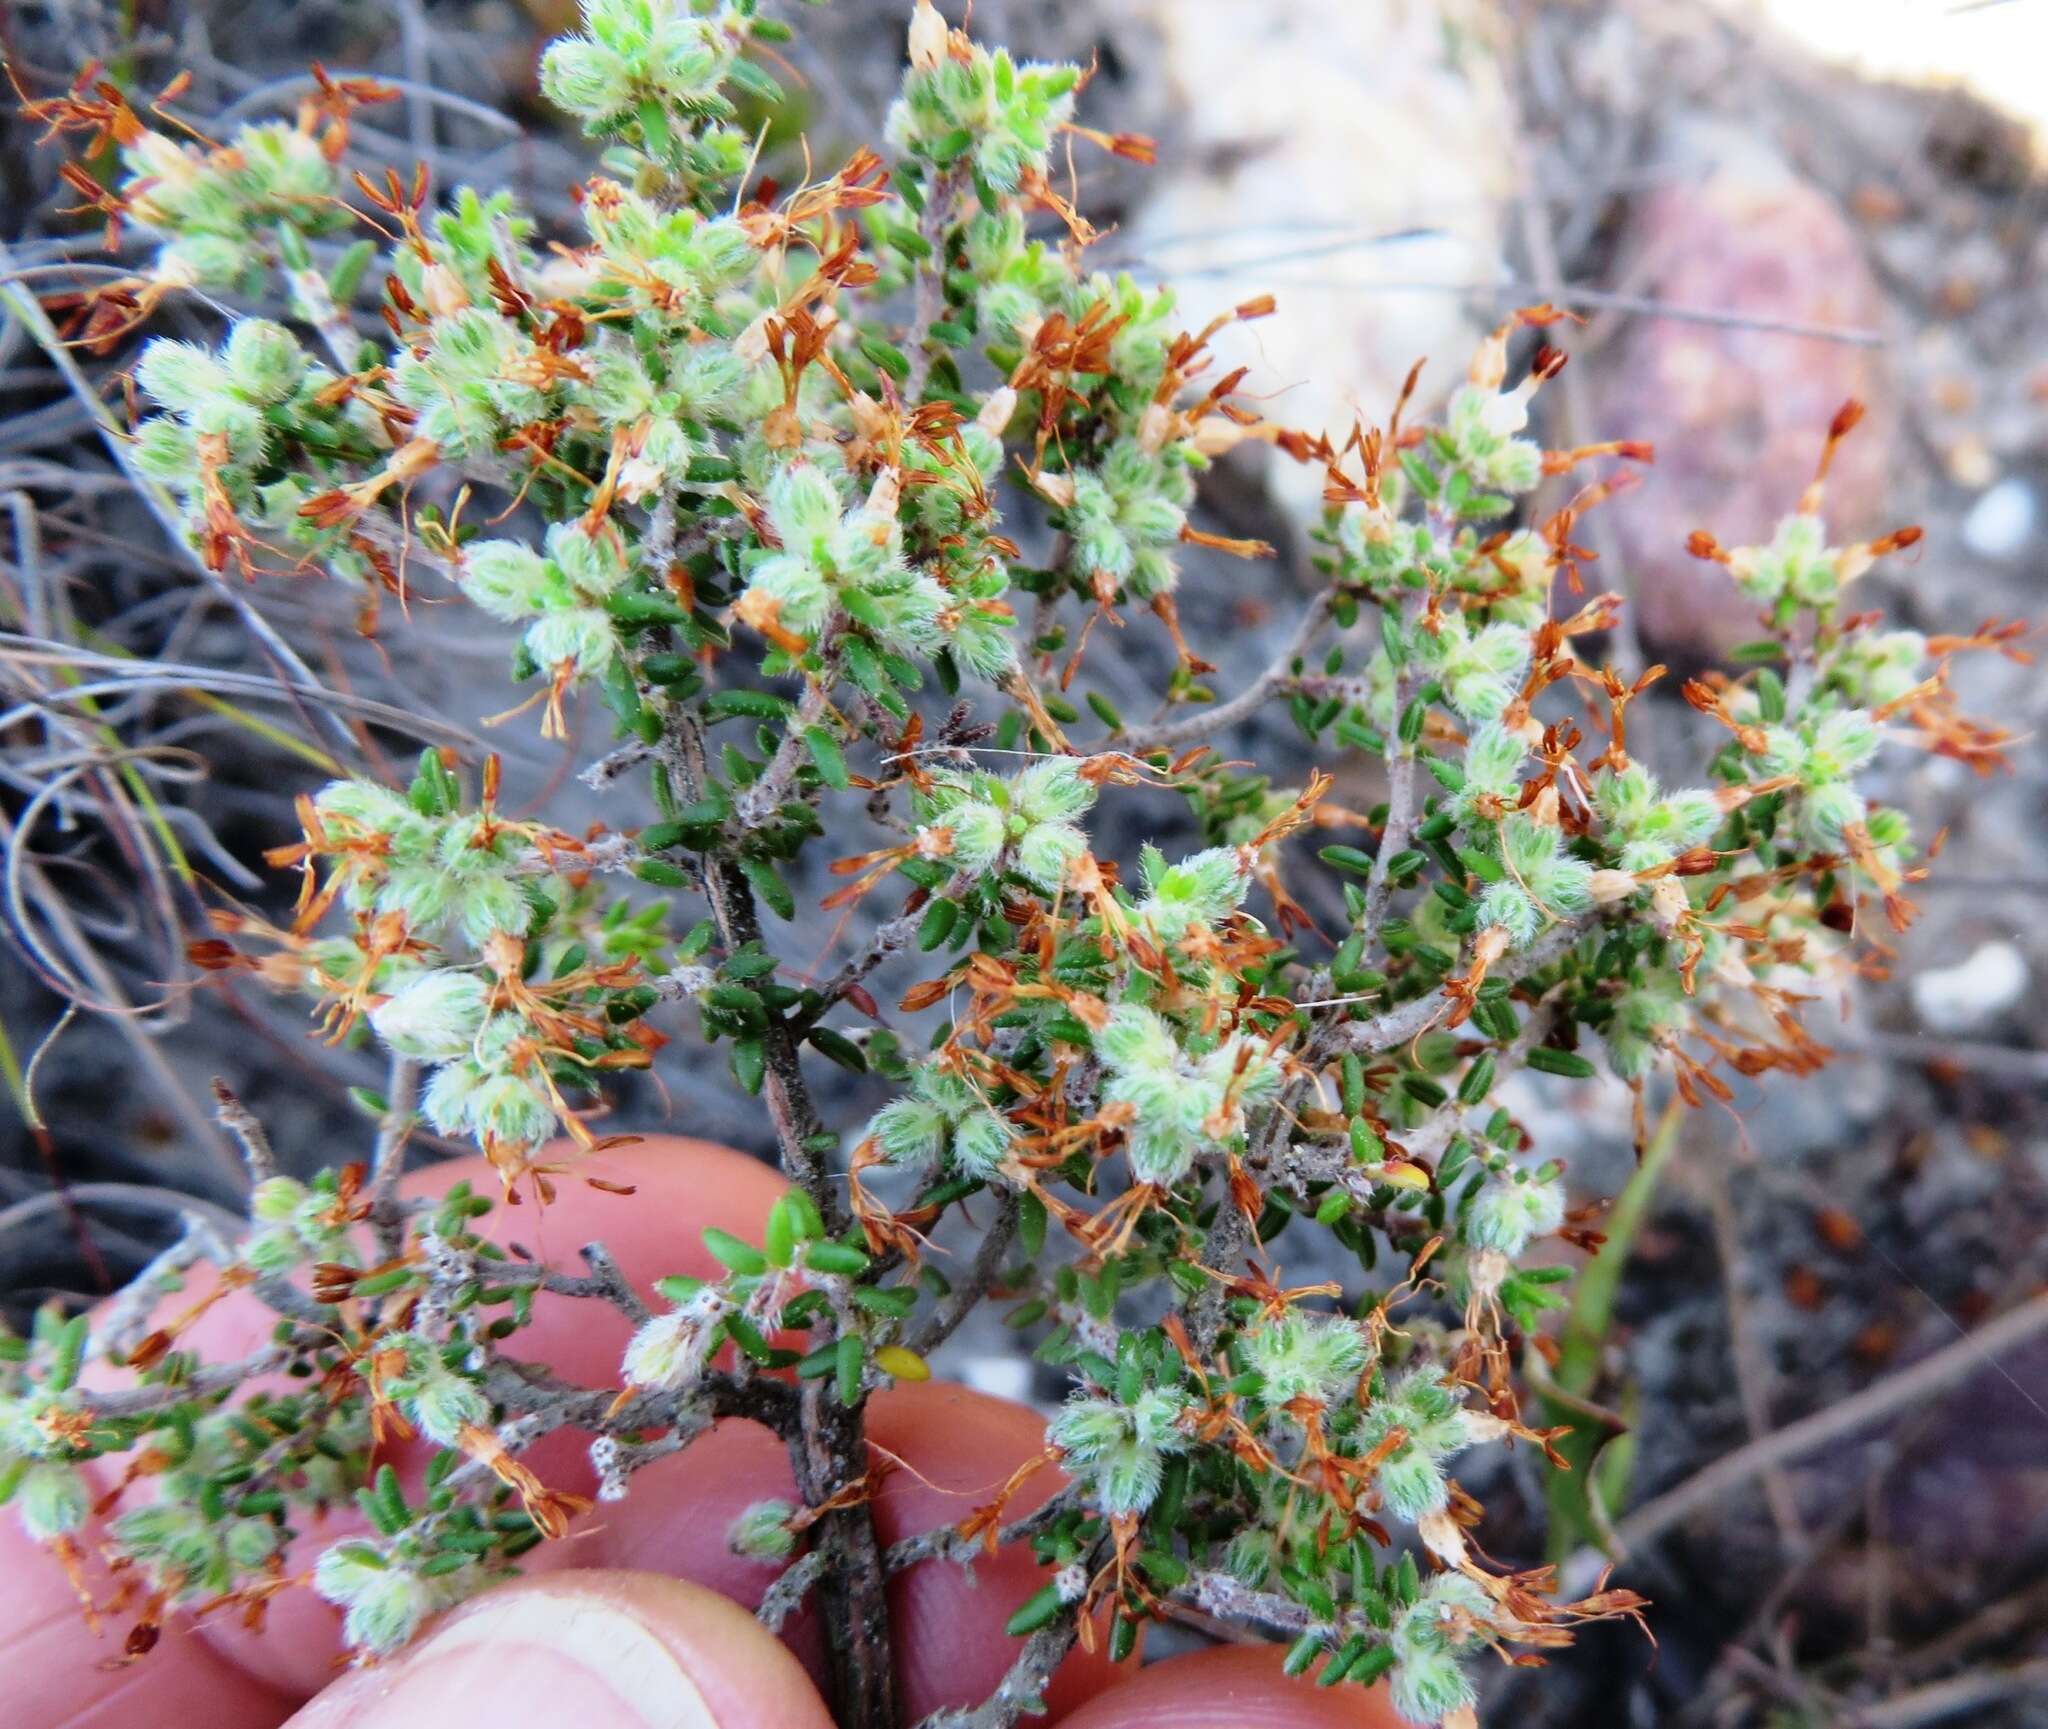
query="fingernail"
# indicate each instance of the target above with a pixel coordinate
(528, 1659)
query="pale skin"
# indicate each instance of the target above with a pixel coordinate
(640, 1618)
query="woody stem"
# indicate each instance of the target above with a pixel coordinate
(828, 1451)
(934, 222)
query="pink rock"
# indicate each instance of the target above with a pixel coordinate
(1737, 415)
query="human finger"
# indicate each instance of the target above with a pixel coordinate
(955, 1448)
(626, 1650)
(61, 1671)
(679, 1186)
(1232, 1687)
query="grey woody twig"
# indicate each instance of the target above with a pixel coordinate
(1954, 1363)
(249, 1134)
(1217, 720)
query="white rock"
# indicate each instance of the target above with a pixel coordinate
(1333, 156)
(1000, 1377)
(2001, 522)
(1972, 993)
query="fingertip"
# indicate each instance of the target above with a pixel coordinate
(61, 1670)
(951, 1450)
(1232, 1687)
(680, 1514)
(957, 1451)
(679, 1187)
(628, 1650)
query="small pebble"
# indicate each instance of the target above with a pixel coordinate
(2001, 522)
(1000, 1377)
(1972, 993)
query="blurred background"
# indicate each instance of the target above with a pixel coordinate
(1824, 1352)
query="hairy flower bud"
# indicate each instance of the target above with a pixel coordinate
(1120, 1448)
(434, 1017)
(762, 1531)
(276, 1199)
(52, 1501)
(264, 360)
(1511, 1211)
(670, 1350)
(385, 1600)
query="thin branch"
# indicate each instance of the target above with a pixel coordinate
(1208, 722)
(733, 911)
(1924, 1380)
(1401, 800)
(761, 801)
(609, 1281)
(1022, 1688)
(1230, 1234)
(828, 1452)
(1023, 1685)
(1979, 1056)
(973, 1285)
(605, 1282)
(26, 883)
(1751, 1372)
(2027, 1607)
(387, 1165)
(1398, 1026)
(160, 1396)
(786, 1595)
(124, 677)
(161, 505)
(316, 305)
(123, 1321)
(1523, 289)
(885, 941)
(249, 1134)
(928, 297)
(1941, 1700)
